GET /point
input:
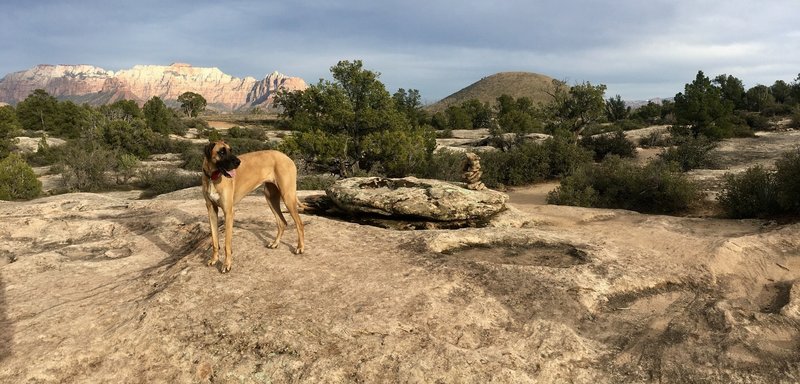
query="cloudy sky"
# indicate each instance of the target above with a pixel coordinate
(639, 49)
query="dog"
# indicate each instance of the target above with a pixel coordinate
(228, 178)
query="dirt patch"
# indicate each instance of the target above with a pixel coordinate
(541, 254)
(774, 296)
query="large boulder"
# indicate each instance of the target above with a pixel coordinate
(409, 197)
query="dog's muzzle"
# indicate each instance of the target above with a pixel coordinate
(227, 165)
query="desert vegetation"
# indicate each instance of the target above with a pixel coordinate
(352, 125)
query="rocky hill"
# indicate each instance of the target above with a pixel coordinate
(488, 89)
(86, 83)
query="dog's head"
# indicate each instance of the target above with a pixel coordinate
(220, 158)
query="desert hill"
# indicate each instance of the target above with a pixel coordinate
(488, 89)
(94, 85)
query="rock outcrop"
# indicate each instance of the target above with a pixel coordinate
(86, 83)
(412, 198)
(97, 289)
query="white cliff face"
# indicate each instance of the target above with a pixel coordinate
(263, 91)
(55, 79)
(142, 82)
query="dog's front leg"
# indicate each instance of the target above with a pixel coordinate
(228, 209)
(213, 220)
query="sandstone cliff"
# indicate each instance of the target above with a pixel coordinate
(86, 83)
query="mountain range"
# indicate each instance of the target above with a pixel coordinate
(97, 86)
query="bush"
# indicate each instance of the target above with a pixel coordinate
(757, 121)
(564, 156)
(522, 164)
(17, 179)
(575, 190)
(690, 154)
(192, 156)
(750, 194)
(616, 183)
(655, 139)
(399, 153)
(249, 133)
(787, 181)
(446, 165)
(159, 181)
(242, 145)
(609, 144)
(84, 168)
(794, 121)
(315, 182)
(529, 162)
(125, 167)
(45, 154)
(628, 124)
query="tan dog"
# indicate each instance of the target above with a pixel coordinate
(227, 179)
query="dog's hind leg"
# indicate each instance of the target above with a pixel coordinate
(273, 196)
(289, 195)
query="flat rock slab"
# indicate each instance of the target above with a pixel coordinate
(411, 197)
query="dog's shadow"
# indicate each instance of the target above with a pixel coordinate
(264, 232)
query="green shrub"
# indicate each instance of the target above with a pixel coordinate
(159, 181)
(192, 156)
(564, 156)
(691, 153)
(315, 182)
(616, 183)
(446, 165)
(17, 179)
(125, 167)
(794, 121)
(759, 192)
(757, 121)
(787, 181)
(84, 167)
(750, 194)
(680, 133)
(257, 133)
(529, 162)
(522, 164)
(45, 154)
(399, 152)
(655, 139)
(609, 144)
(242, 145)
(575, 190)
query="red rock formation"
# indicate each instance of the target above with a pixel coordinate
(142, 82)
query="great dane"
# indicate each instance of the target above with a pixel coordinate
(228, 178)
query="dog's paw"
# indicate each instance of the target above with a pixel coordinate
(298, 251)
(273, 245)
(225, 269)
(211, 262)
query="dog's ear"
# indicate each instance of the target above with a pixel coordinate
(209, 148)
